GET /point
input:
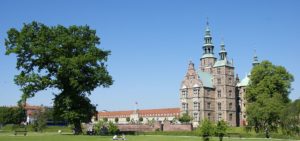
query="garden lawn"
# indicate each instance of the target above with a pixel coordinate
(56, 137)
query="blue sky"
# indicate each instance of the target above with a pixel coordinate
(153, 40)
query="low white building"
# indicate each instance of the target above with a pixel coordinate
(134, 116)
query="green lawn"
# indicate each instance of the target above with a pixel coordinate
(55, 137)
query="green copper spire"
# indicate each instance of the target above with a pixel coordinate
(208, 47)
(223, 53)
(255, 59)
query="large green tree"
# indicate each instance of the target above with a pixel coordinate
(65, 58)
(266, 95)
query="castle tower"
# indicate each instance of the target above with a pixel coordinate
(224, 82)
(208, 59)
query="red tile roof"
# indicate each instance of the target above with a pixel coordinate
(143, 113)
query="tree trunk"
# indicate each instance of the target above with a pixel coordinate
(77, 128)
(220, 138)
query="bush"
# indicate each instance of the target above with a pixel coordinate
(112, 128)
(141, 119)
(127, 119)
(116, 119)
(185, 118)
(221, 129)
(105, 119)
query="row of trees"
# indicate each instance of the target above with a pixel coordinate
(12, 115)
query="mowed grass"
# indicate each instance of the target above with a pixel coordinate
(66, 137)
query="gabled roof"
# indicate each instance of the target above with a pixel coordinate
(223, 63)
(206, 79)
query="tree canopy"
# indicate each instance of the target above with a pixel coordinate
(185, 118)
(12, 115)
(206, 129)
(65, 58)
(221, 129)
(266, 95)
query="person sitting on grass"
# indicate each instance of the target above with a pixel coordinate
(123, 137)
(115, 137)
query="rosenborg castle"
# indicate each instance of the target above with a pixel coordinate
(211, 91)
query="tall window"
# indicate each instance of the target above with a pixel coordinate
(185, 106)
(196, 91)
(208, 116)
(230, 117)
(220, 116)
(219, 70)
(219, 93)
(219, 81)
(230, 93)
(208, 105)
(230, 105)
(195, 116)
(196, 106)
(184, 93)
(219, 106)
(229, 80)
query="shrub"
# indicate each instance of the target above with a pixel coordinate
(221, 129)
(127, 119)
(206, 129)
(112, 128)
(185, 118)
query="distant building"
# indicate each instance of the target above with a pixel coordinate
(134, 115)
(31, 112)
(212, 91)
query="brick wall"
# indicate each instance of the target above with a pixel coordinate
(167, 126)
(177, 127)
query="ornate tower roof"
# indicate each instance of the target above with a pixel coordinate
(223, 57)
(208, 47)
(223, 52)
(255, 59)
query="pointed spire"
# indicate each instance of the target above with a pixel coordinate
(207, 31)
(255, 59)
(191, 65)
(223, 53)
(222, 45)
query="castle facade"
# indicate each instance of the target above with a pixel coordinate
(211, 90)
